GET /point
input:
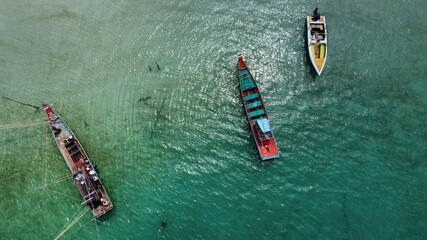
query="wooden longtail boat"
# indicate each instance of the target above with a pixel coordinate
(85, 177)
(317, 41)
(256, 113)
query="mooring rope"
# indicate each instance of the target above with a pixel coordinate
(96, 225)
(26, 104)
(53, 182)
(72, 217)
(18, 125)
(84, 225)
(71, 224)
(63, 194)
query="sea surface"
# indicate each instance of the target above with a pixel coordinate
(173, 145)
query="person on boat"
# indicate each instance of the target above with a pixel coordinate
(314, 38)
(316, 15)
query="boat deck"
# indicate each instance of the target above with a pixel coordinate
(268, 148)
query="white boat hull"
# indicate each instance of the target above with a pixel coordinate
(317, 42)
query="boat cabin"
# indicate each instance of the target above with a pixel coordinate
(263, 129)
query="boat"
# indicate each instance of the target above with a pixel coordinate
(84, 174)
(317, 41)
(256, 113)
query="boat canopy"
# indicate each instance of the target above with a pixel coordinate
(263, 125)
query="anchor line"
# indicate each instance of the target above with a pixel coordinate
(18, 125)
(84, 225)
(96, 226)
(71, 224)
(25, 104)
(72, 217)
(63, 194)
(53, 182)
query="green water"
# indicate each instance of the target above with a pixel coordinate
(173, 144)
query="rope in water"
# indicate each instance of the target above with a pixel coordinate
(71, 224)
(63, 194)
(18, 125)
(84, 225)
(96, 225)
(53, 182)
(26, 104)
(72, 217)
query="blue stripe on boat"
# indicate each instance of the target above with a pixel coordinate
(256, 113)
(251, 96)
(253, 105)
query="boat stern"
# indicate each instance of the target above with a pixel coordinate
(268, 150)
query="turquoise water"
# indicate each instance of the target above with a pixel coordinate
(173, 144)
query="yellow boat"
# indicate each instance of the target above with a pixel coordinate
(317, 42)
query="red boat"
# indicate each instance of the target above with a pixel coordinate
(85, 177)
(256, 113)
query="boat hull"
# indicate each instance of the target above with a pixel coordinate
(84, 174)
(317, 42)
(256, 113)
